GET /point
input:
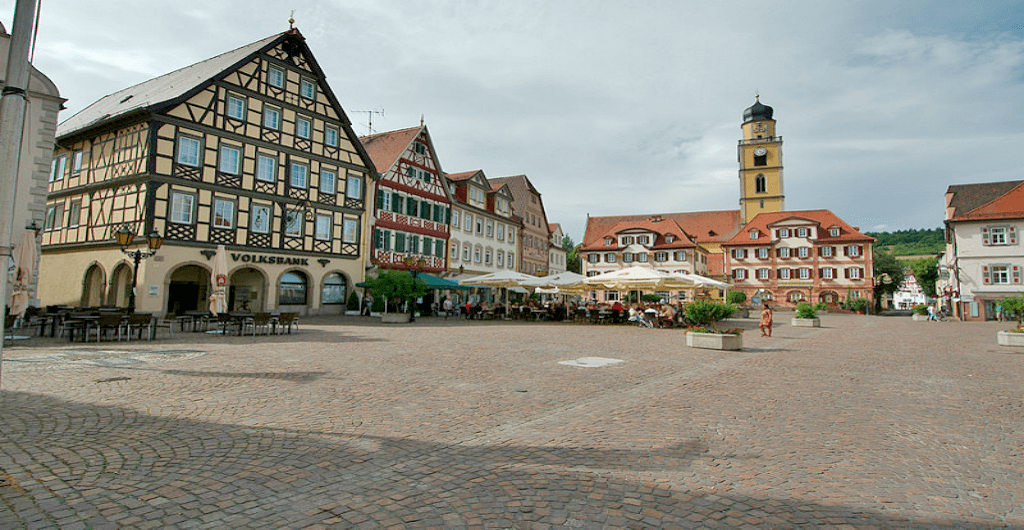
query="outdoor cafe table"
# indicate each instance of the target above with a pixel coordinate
(79, 322)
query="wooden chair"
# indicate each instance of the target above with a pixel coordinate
(257, 322)
(287, 320)
(167, 322)
(139, 322)
(108, 322)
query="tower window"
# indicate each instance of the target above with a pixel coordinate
(761, 160)
(760, 184)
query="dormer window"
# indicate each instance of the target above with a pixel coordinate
(834, 232)
(783, 233)
(801, 232)
(670, 238)
(608, 241)
(754, 234)
(642, 239)
(628, 240)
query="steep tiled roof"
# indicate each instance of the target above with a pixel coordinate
(824, 218)
(521, 188)
(703, 227)
(553, 226)
(993, 200)
(465, 175)
(159, 89)
(385, 148)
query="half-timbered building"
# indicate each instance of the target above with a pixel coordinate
(249, 149)
(412, 207)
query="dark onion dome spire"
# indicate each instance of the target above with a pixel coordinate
(757, 111)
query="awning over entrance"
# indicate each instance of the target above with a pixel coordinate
(433, 282)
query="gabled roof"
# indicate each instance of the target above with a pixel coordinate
(763, 222)
(158, 90)
(703, 227)
(994, 200)
(386, 148)
(521, 188)
(465, 175)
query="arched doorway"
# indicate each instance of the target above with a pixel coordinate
(828, 297)
(333, 293)
(795, 297)
(120, 286)
(93, 287)
(188, 290)
(246, 290)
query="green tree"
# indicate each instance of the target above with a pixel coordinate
(926, 271)
(395, 285)
(572, 255)
(888, 274)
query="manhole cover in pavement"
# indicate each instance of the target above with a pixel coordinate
(591, 362)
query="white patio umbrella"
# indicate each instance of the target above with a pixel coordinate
(639, 278)
(219, 282)
(705, 282)
(506, 279)
(561, 280)
(26, 263)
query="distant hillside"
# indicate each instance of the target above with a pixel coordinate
(911, 242)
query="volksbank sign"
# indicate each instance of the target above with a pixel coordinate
(269, 260)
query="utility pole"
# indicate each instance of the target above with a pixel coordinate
(12, 124)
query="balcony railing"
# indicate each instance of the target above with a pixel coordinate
(761, 140)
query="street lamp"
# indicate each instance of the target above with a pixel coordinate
(415, 265)
(124, 238)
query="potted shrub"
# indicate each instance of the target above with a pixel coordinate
(352, 304)
(821, 307)
(857, 305)
(737, 298)
(806, 316)
(920, 313)
(705, 314)
(395, 287)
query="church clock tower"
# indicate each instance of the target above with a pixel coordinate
(760, 158)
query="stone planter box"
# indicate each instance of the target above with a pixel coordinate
(741, 312)
(1006, 338)
(714, 341)
(920, 318)
(805, 322)
(395, 318)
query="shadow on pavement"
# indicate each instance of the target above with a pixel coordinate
(109, 467)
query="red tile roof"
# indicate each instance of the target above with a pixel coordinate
(465, 175)
(823, 218)
(996, 200)
(386, 148)
(704, 227)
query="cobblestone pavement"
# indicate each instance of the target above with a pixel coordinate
(867, 422)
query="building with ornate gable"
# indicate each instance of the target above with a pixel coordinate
(250, 149)
(983, 258)
(485, 234)
(412, 203)
(535, 238)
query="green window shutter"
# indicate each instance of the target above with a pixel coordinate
(396, 202)
(414, 244)
(410, 206)
(448, 215)
(425, 210)
(380, 199)
(378, 242)
(439, 248)
(399, 242)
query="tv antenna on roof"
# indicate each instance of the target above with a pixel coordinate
(369, 118)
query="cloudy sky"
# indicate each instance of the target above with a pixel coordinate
(615, 107)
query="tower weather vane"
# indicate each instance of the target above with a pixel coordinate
(291, 20)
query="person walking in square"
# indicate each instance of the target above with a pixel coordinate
(766, 321)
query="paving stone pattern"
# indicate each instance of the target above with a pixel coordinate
(867, 422)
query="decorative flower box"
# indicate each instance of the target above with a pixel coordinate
(920, 318)
(395, 318)
(1009, 338)
(714, 341)
(805, 322)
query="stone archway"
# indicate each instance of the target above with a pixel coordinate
(93, 286)
(247, 290)
(188, 289)
(828, 297)
(120, 286)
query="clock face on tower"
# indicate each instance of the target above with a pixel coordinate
(760, 151)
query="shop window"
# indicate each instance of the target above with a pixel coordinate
(333, 290)
(292, 289)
